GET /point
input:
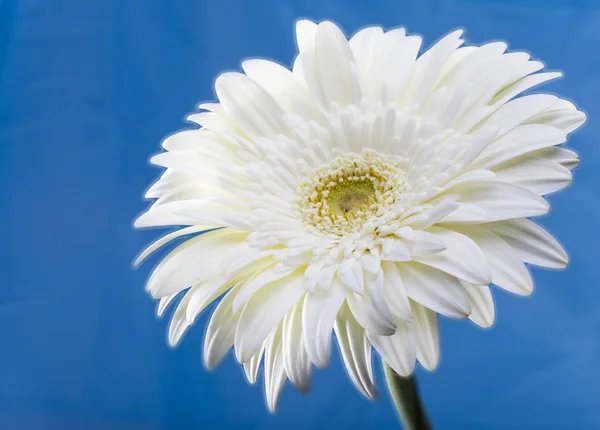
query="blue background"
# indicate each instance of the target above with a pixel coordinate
(88, 89)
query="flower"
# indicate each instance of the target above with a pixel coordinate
(364, 192)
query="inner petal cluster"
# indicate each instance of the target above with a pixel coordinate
(340, 197)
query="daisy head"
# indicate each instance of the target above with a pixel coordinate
(363, 192)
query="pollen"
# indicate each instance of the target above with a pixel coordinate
(340, 197)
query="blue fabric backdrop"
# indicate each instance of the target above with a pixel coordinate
(88, 89)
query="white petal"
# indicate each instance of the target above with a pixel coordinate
(531, 242)
(539, 175)
(204, 294)
(473, 175)
(179, 323)
(326, 276)
(397, 252)
(165, 215)
(194, 261)
(395, 292)
(218, 123)
(282, 85)
(305, 35)
(445, 207)
(427, 334)
(366, 45)
(304, 65)
(518, 111)
(399, 351)
(523, 139)
(318, 315)
(562, 115)
(164, 240)
(352, 275)
(397, 63)
(220, 332)
(375, 305)
(563, 156)
(258, 281)
(461, 258)
(263, 312)
(522, 85)
(425, 243)
(428, 67)
(384, 60)
(502, 201)
(249, 105)
(252, 366)
(332, 65)
(482, 304)
(435, 289)
(295, 359)
(466, 213)
(274, 370)
(370, 262)
(356, 352)
(508, 272)
(164, 303)
(311, 275)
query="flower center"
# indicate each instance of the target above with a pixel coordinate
(338, 198)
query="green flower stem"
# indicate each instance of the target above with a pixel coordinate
(406, 399)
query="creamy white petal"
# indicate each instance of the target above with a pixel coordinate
(435, 289)
(540, 175)
(521, 140)
(399, 350)
(427, 335)
(395, 292)
(518, 111)
(164, 303)
(461, 258)
(502, 201)
(263, 312)
(194, 261)
(282, 85)
(165, 216)
(220, 332)
(295, 358)
(562, 115)
(482, 304)
(256, 112)
(318, 316)
(521, 85)
(274, 370)
(258, 281)
(531, 243)
(252, 366)
(367, 317)
(356, 352)
(332, 65)
(352, 275)
(428, 67)
(375, 305)
(466, 213)
(508, 272)
(563, 156)
(304, 65)
(425, 243)
(179, 323)
(366, 46)
(398, 251)
(204, 294)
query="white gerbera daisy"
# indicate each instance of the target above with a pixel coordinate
(363, 193)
